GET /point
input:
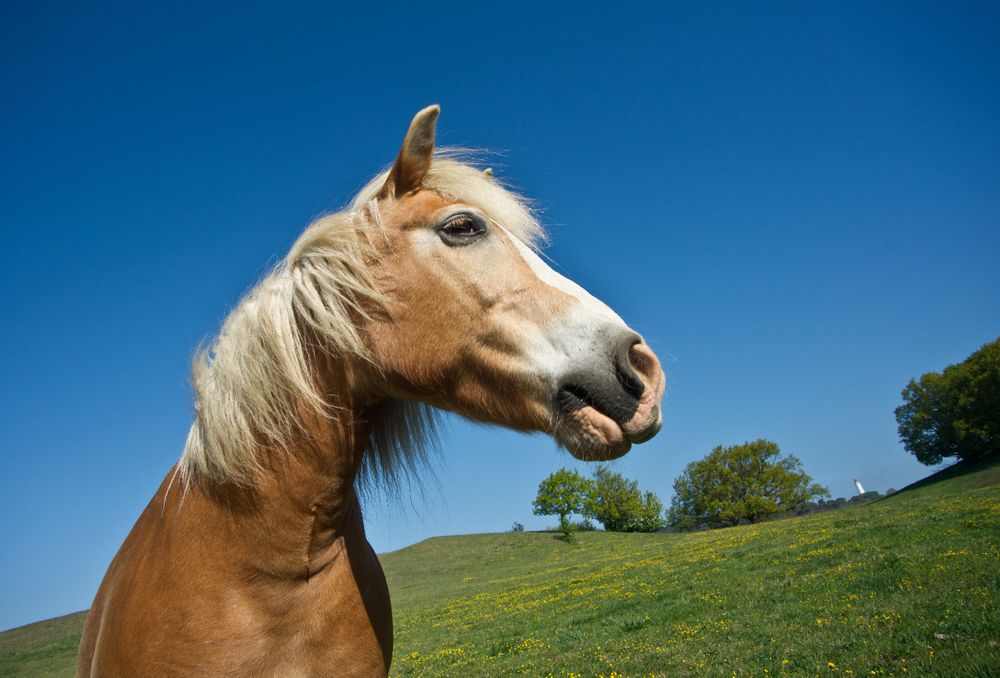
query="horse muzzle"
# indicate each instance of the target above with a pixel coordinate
(610, 400)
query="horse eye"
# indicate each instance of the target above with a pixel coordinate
(462, 229)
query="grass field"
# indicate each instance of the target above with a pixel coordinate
(908, 585)
(46, 649)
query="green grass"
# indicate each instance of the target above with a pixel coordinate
(905, 586)
(46, 649)
(908, 585)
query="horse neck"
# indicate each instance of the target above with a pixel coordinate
(296, 515)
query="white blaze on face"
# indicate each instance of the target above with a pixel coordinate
(572, 339)
(561, 283)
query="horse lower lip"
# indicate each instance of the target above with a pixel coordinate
(647, 432)
(642, 436)
(600, 434)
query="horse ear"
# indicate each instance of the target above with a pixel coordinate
(415, 156)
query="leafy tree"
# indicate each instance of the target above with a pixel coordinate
(742, 483)
(561, 494)
(954, 413)
(619, 505)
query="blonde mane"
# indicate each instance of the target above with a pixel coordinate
(255, 381)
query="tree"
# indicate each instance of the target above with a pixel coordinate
(954, 413)
(562, 493)
(619, 505)
(742, 483)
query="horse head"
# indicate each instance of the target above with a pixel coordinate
(475, 322)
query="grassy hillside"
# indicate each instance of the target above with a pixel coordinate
(908, 585)
(44, 649)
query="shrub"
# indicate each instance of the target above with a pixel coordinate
(563, 493)
(619, 505)
(956, 412)
(740, 484)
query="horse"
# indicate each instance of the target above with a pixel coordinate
(427, 293)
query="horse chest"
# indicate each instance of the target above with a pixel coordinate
(328, 630)
(320, 626)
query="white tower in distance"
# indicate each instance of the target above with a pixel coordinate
(861, 488)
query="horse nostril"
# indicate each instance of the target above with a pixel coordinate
(630, 383)
(636, 359)
(626, 374)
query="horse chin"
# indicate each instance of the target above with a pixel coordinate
(590, 435)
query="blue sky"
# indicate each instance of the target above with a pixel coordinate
(796, 203)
